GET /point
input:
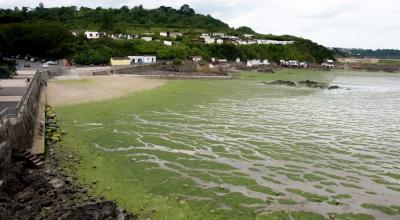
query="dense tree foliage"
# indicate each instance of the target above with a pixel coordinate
(380, 53)
(7, 69)
(185, 17)
(48, 40)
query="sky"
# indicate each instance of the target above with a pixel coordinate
(335, 23)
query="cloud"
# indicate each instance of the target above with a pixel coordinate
(343, 23)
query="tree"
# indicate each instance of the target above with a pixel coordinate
(186, 10)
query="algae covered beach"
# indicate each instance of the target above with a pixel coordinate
(240, 149)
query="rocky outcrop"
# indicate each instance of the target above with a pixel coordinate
(49, 193)
(313, 84)
(282, 82)
(305, 83)
(333, 87)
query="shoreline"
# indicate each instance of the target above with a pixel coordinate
(51, 192)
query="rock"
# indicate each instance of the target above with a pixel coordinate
(313, 84)
(282, 82)
(333, 87)
(56, 183)
(46, 202)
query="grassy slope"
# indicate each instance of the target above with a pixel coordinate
(140, 192)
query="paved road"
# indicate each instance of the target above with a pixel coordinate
(12, 91)
(4, 105)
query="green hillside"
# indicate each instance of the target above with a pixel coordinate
(46, 32)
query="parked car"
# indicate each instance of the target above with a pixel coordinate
(51, 62)
(27, 64)
(33, 59)
(45, 65)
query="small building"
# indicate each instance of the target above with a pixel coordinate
(293, 63)
(175, 34)
(255, 62)
(168, 43)
(303, 64)
(248, 35)
(196, 59)
(220, 41)
(209, 40)
(145, 59)
(148, 39)
(164, 34)
(328, 64)
(219, 35)
(120, 61)
(92, 34)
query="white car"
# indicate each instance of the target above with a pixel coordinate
(45, 65)
(50, 62)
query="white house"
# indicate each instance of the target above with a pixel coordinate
(220, 41)
(92, 34)
(142, 59)
(175, 34)
(248, 35)
(209, 40)
(164, 34)
(196, 59)
(251, 63)
(303, 64)
(219, 35)
(293, 63)
(328, 64)
(147, 38)
(168, 43)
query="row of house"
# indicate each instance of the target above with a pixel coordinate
(171, 34)
(293, 64)
(220, 38)
(143, 36)
(209, 38)
(97, 35)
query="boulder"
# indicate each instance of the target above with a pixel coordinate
(313, 84)
(283, 83)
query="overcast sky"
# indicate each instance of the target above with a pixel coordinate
(340, 23)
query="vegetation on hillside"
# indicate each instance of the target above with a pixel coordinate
(45, 32)
(113, 19)
(361, 53)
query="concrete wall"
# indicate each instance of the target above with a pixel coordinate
(120, 62)
(17, 133)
